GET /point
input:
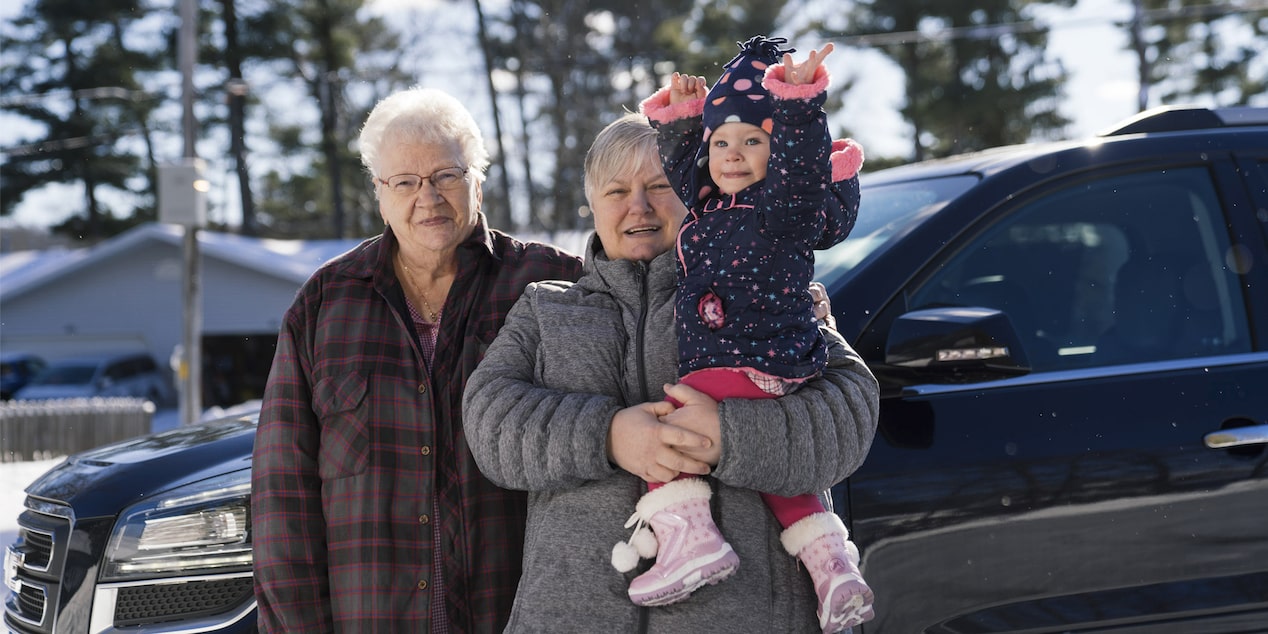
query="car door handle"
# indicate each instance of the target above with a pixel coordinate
(1237, 436)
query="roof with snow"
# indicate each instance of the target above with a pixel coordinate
(293, 260)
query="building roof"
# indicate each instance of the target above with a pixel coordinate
(292, 260)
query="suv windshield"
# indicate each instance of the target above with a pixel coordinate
(68, 374)
(884, 211)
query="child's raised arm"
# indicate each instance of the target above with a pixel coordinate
(804, 73)
(686, 88)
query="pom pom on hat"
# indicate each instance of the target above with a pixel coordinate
(738, 96)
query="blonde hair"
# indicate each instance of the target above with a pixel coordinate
(623, 146)
(423, 115)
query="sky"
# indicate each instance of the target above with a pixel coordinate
(1101, 91)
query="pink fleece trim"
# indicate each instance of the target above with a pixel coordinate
(774, 83)
(658, 109)
(846, 158)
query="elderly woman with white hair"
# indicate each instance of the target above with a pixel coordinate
(369, 513)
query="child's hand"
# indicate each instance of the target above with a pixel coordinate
(804, 73)
(686, 88)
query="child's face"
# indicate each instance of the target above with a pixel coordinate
(738, 153)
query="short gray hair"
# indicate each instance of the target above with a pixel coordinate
(623, 146)
(423, 115)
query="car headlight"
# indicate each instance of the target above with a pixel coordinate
(200, 528)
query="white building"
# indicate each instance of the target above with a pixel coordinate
(125, 294)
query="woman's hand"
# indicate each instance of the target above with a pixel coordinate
(687, 88)
(804, 73)
(698, 415)
(822, 305)
(656, 452)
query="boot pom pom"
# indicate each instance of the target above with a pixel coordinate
(624, 557)
(645, 544)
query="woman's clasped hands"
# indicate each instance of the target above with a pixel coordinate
(657, 441)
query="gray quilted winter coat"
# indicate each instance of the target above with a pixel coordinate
(536, 414)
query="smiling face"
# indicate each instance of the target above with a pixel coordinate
(427, 219)
(738, 154)
(636, 211)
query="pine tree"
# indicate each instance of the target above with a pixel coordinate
(977, 74)
(1205, 53)
(72, 74)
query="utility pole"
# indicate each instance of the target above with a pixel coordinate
(188, 186)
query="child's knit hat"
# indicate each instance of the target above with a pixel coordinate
(739, 95)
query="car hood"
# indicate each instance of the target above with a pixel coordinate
(104, 480)
(32, 392)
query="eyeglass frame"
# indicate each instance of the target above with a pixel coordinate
(430, 178)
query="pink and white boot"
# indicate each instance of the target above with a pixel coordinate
(822, 544)
(689, 550)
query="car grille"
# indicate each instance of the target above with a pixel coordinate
(31, 602)
(43, 535)
(39, 549)
(155, 603)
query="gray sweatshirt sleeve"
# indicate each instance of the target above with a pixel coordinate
(525, 436)
(806, 441)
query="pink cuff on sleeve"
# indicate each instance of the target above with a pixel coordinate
(776, 86)
(846, 158)
(658, 109)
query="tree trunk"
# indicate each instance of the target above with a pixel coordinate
(236, 90)
(499, 213)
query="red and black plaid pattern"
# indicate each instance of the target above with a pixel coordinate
(359, 449)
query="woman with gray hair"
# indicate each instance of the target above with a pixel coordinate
(369, 513)
(569, 405)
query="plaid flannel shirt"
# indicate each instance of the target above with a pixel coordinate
(357, 440)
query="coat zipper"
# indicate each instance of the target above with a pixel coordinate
(641, 341)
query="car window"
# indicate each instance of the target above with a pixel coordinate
(1122, 269)
(118, 370)
(884, 211)
(69, 374)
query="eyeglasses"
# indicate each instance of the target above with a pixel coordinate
(447, 179)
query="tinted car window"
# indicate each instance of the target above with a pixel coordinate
(883, 214)
(120, 370)
(66, 374)
(1123, 269)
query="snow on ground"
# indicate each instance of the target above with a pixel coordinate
(15, 476)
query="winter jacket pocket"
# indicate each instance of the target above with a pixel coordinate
(340, 406)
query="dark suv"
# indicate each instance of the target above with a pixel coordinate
(1072, 341)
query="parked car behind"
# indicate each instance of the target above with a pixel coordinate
(114, 374)
(16, 370)
(1072, 343)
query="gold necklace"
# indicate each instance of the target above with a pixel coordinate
(432, 315)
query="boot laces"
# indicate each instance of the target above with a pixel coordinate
(636, 520)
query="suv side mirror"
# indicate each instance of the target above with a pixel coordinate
(952, 344)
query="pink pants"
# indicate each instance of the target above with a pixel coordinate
(720, 384)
